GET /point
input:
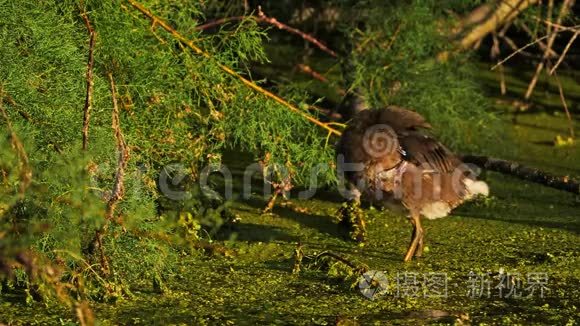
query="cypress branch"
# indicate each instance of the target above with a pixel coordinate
(119, 183)
(274, 22)
(90, 82)
(159, 22)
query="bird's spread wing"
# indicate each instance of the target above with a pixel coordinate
(401, 119)
(415, 147)
(425, 151)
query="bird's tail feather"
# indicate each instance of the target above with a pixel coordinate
(475, 187)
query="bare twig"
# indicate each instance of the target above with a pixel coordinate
(90, 82)
(306, 69)
(502, 84)
(329, 113)
(565, 105)
(541, 44)
(575, 28)
(514, 47)
(549, 14)
(273, 21)
(118, 189)
(557, 26)
(563, 55)
(534, 81)
(123, 152)
(25, 169)
(311, 72)
(551, 39)
(518, 51)
(228, 70)
(495, 52)
(220, 21)
(393, 38)
(262, 18)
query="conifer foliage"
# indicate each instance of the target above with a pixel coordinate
(66, 207)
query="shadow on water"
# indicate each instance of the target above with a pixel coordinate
(528, 204)
(527, 219)
(252, 232)
(324, 224)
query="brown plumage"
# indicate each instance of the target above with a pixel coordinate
(386, 157)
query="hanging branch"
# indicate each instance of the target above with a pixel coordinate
(123, 152)
(25, 171)
(158, 22)
(119, 183)
(262, 18)
(90, 82)
(525, 173)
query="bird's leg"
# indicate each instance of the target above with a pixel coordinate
(420, 244)
(416, 237)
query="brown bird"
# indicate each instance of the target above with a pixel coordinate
(385, 157)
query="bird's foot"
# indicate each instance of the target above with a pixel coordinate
(352, 218)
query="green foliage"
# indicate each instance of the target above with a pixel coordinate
(400, 66)
(175, 106)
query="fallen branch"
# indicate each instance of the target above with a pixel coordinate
(90, 82)
(158, 22)
(487, 19)
(564, 183)
(262, 18)
(358, 268)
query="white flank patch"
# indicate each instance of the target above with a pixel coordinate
(475, 188)
(436, 210)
